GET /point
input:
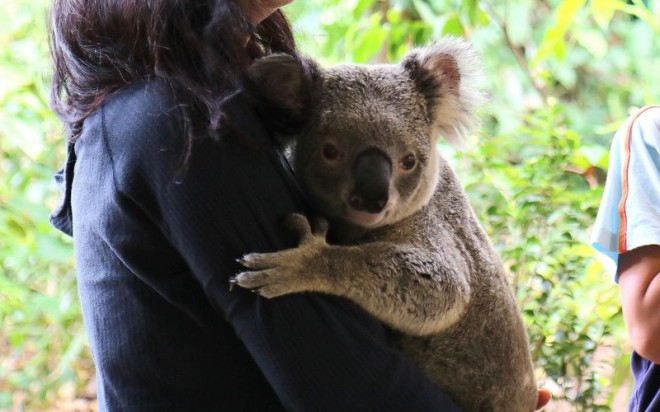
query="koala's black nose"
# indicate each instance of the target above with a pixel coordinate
(358, 203)
(372, 172)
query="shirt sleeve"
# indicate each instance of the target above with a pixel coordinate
(629, 213)
(317, 352)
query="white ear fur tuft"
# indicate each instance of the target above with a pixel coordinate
(447, 73)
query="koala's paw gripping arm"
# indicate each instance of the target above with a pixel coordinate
(288, 271)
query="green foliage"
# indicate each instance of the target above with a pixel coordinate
(527, 190)
(42, 340)
(562, 74)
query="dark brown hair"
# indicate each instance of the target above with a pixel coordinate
(197, 47)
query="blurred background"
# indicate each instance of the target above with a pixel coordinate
(562, 75)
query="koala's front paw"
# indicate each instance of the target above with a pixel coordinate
(274, 274)
(289, 271)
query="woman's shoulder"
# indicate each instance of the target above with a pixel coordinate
(141, 121)
(145, 109)
(146, 94)
(139, 129)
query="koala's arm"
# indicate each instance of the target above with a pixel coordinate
(409, 288)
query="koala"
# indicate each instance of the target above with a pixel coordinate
(406, 245)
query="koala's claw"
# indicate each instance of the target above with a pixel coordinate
(233, 282)
(261, 282)
(258, 261)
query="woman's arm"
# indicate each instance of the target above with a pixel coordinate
(639, 282)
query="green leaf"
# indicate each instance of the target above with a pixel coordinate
(472, 11)
(426, 12)
(603, 11)
(553, 43)
(453, 26)
(593, 41)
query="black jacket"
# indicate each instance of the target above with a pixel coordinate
(155, 244)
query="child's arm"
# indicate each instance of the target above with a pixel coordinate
(639, 282)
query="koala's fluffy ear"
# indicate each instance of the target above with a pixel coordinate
(446, 73)
(282, 87)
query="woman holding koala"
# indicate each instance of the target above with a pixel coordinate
(169, 177)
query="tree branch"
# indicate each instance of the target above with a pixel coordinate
(520, 58)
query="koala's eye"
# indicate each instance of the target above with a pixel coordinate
(330, 151)
(408, 162)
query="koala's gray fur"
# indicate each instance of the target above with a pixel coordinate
(411, 252)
